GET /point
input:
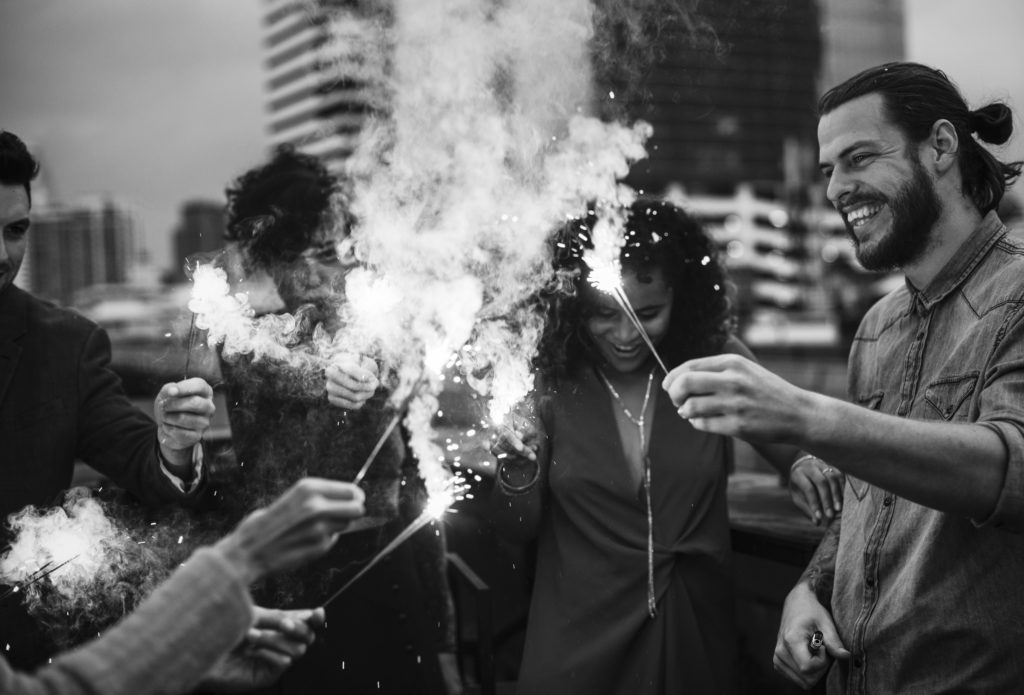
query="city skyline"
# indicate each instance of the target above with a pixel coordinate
(158, 104)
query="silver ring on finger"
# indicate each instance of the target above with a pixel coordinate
(829, 470)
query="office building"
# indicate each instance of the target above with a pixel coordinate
(80, 245)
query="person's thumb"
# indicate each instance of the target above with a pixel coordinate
(834, 645)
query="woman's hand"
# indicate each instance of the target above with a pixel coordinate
(351, 381)
(816, 488)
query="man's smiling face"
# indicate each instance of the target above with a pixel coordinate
(877, 183)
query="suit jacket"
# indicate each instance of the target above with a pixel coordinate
(59, 401)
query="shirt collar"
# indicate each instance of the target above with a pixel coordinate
(961, 265)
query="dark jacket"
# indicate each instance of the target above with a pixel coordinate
(59, 401)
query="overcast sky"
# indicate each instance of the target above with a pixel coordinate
(160, 101)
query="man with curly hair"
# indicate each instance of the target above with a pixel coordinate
(288, 218)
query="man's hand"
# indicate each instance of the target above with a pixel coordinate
(182, 411)
(802, 615)
(273, 643)
(300, 525)
(730, 395)
(351, 381)
(816, 488)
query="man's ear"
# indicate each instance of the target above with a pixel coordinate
(943, 144)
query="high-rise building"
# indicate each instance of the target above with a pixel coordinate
(76, 246)
(313, 103)
(727, 103)
(857, 34)
(200, 231)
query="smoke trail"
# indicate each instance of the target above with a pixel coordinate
(107, 559)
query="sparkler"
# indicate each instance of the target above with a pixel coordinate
(189, 343)
(435, 509)
(377, 447)
(607, 277)
(38, 575)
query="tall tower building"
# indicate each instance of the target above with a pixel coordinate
(312, 102)
(77, 246)
(201, 230)
(857, 34)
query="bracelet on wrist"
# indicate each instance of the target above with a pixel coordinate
(511, 488)
(801, 459)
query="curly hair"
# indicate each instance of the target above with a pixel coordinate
(275, 211)
(658, 236)
(17, 166)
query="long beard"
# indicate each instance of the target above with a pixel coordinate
(915, 209)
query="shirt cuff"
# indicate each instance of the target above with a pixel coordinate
(1009, 510)
(197, 470)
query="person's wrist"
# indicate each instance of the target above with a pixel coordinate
(815, 426)
(234, 550)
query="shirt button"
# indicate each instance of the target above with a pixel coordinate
(886, 501)
(870, 581)
(858, 662)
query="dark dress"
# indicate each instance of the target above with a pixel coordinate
(589, 631)
(383, 634)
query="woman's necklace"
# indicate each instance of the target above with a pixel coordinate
(639, 423)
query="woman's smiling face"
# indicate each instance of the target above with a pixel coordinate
(612, 332)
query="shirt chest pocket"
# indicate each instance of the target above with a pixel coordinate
(946, 396)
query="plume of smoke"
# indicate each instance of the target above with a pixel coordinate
(105, 558)
(485, 149)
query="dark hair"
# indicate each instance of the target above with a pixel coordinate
(276, 210)
(915, 97)
(658, 236)
(17, 166)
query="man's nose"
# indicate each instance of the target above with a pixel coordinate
(840, 186)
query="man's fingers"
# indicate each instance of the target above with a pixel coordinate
(789, 672)
(187, 387)
(199, 405)
(837, 481)
(807, 495)
(823, 491)
(702, 406)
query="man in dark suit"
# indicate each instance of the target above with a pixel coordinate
(59, 400)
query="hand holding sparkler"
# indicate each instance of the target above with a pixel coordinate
(301, 524)
(276, 639)
(182, 411)
(351, 381)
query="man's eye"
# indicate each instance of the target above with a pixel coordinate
(16, 232)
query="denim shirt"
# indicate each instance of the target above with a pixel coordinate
(930, 602)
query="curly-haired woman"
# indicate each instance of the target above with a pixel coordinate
(633, 588)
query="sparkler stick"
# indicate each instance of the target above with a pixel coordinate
(189, 343)
(387, 433)
(620, 297)
(607, 277)
(36, 576)
(421, 521)
(377, 447)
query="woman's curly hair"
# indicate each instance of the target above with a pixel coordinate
(277, 210)
(658, 236)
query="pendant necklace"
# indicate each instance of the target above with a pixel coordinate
(639, 423)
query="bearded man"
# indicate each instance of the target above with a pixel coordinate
(916, 586)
